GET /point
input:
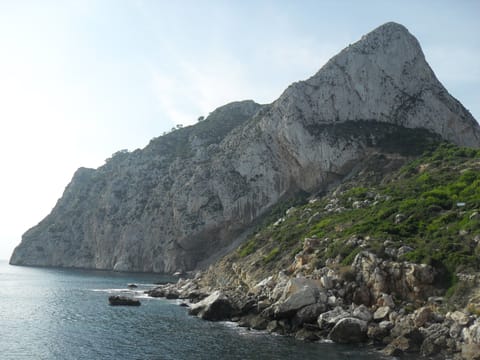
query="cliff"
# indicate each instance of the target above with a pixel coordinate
(191, 195)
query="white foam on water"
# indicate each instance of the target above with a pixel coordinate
(245, 331)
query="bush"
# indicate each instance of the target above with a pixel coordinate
(271, 255)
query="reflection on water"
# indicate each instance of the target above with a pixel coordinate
(64, 314)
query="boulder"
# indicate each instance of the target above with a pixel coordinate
(386, 300)
(327, 282)
(157, 292)
(398, 347)
(281, 283)
(298, 293)
(308, 314)
(329, 318)
(214, 307)
(116, 300)
(471, 335)
(419, 274)
(455, 331)
(386, 325)
(259, 323)
(334, 301)
(471, 351)
(435, 340)
(349, 330)
(381, 313)
(459, 317)
(405, 328)
(306, 335)
(361, 312)
(246, 305)
(253, 321)
(172, 294)
(260, 287)
(422, 316)
(274, 326)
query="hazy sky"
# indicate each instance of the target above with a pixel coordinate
(82, 79)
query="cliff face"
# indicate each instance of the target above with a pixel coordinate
(191, 194)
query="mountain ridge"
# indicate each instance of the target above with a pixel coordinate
(192, 193)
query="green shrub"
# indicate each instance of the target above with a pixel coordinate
(271, 255)
(247, 248)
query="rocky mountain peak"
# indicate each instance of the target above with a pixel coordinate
(389, 37)
(382, 77)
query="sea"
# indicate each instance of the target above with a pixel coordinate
(64, 314)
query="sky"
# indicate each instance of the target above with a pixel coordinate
(80, 80)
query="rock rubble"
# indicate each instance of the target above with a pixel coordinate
(396, 320)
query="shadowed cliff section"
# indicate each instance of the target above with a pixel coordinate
(193, 192)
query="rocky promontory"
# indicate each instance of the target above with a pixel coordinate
(192, 195)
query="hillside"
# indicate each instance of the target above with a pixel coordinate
(390, 258)
(428, 211)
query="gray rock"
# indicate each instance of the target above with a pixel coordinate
(327, 282)
(329, 318)
(399, 218)
(386, 300)
(403, 279)
(388, 325)
(349, 330)
(381, 313)
(399, 346)
(379, 332)
(306, 335)
(459, 317)
(455, 331)
(404, 250)
(472, 333)
(405, 329)
(435, 340)
(274, 326)
(422, 316)
(215, 307)
(471, 351)
(157, 292)
(258, 323)
(361, 312)
(298, 293)
(309, 314)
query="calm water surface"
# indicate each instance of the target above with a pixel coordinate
(64, 314)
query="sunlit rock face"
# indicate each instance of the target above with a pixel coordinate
(191, 195)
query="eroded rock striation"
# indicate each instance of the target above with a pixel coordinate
(191, 195)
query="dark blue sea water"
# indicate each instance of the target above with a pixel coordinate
(64, 314)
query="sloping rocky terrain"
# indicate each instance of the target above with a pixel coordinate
(390, 260)
(191, 195)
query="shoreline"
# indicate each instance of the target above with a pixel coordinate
(319, 308)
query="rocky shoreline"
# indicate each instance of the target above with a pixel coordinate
(392, 306)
